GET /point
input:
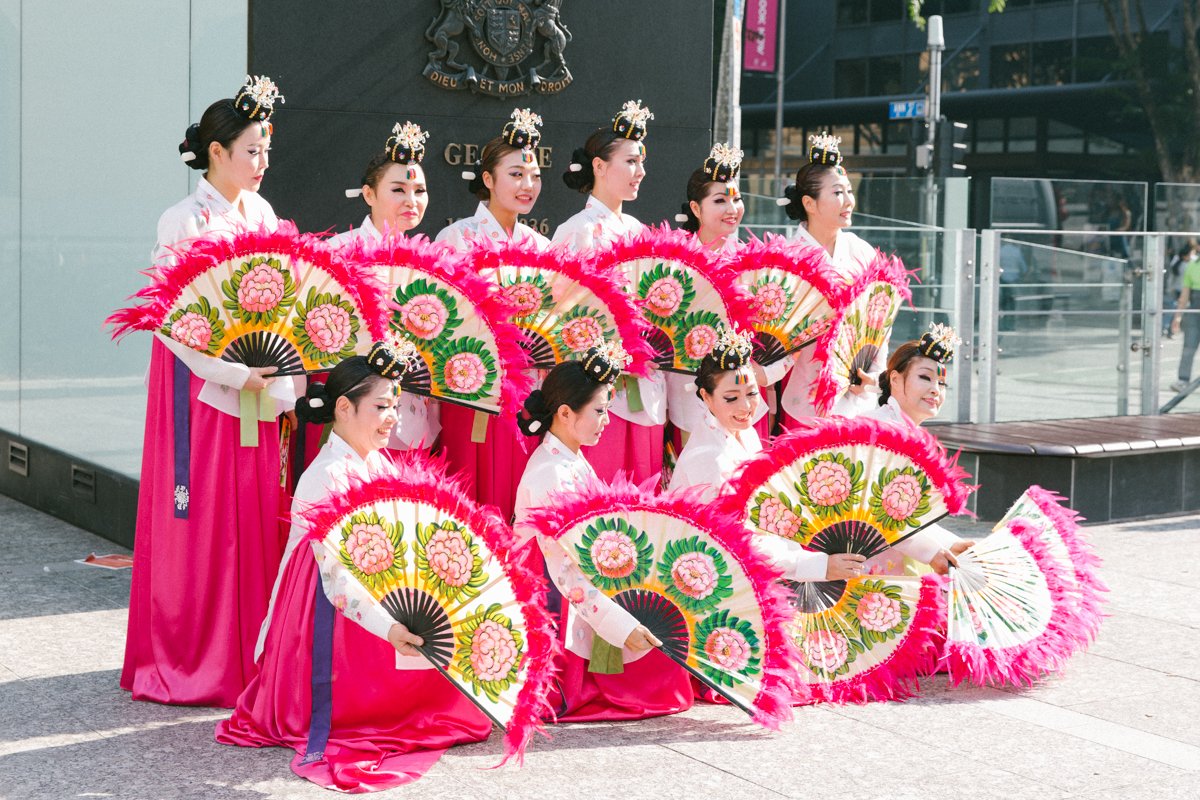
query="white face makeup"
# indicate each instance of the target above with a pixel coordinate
(584, 427)
(621, 175)
(398, 203)
(833, 207)
(734, 399)
(720, 212)
(367, 426)
(920, 390)
(515, 183)
(242, 166)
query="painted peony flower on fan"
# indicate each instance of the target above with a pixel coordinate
(328, 327)
(450, 557)
(614, 554)
(494, 651)
(901, 496)
(829, 483)
(825, 650)
(695, 575)
(775, 517)
(370, 548)
(465, 373)
(261, 288)
(664, 296)
(878, 612)
(424, 316)
(728, 649)
(582, 333)
(699, 341)
(193, 330)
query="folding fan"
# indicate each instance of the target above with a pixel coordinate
(458, 321)
(860, 330)
(1009, 610)
(263, 299)
(686, 292)
(853, 486)
(441, 565)
(1058, 529)
(562, 304)
(794, 291)
(689, 574)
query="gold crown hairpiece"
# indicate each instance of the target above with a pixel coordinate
(410, 136)
(824, 148)
(525, 119)
(723, 162)
(402, 349)
(262, 90)
(631, 120)
(939, 343)
(604, 361)
(734, 341)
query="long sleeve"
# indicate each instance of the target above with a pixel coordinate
(796, 563)
(349, 597)
(216, 370)
(778, 369)
(610, 622)
(418, 426)
(925, 544)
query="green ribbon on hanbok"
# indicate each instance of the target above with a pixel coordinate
(253, 408)
(633, 393)
(607, 659)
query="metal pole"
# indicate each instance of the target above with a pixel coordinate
(964, 316)
(933, 113)
(735, 75)
(987, 351)
(1125, 345)
(779, 81)
(1154, 259)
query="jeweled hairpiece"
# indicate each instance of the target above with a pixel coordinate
(604, 362)
(257, 97)
(732, 349)
(392, 358)
(406, 145)
(823, 149)
(631, 120)
(723, 162)
(522, 130)
(939, 343)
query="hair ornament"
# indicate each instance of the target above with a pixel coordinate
(392, 358)
(354, 192)
(257, 97)
(522, 130)
(406, 145)
(631, 120)
(603, 362)
(823, 149)
(732, 349)
(938, 343)
(723, 162)
(316, 402)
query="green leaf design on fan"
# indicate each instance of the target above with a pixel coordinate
(809, 330)
(448, 559)
(196, 321)
(827, 652)
(530, 295)
(881, 310)
(260, 291)
(695, 574)
(772, 299)
(333, 320)
(900, 497)
(490, 651)
(727, 648)
(774, 512)
(831, 484)
(427, 311)
(695, 336)
(614, 555)
(371, 548)
(877, 609)
(464, 368)
(666, 294)
(579, 328)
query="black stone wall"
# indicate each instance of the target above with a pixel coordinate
(350, 69)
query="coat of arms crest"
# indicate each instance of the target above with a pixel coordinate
(515, 47)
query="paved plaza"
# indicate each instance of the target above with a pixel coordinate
(1120, 722)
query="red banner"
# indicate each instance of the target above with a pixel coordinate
(762, 31)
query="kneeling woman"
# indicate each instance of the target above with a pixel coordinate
(624, 679)
(359, 716)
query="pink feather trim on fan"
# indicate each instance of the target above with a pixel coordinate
(807, 261)
(898, 676)
(820, 434)
(1086, 563)
(200, 255)
(564, 510)
(883, 269)
(1023, 664)
(420, 479)
(668, 243)
(491, 307)
(607, 283)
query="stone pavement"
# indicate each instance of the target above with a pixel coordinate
(1121, 722)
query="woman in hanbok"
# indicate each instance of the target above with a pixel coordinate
(609, 169)
(394, 188)
(822, 200)
(507, 182)
(339, 680)
(713, 211)
(570, 412)
(208, 536)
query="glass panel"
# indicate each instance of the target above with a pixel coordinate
(884, 76)
(1010, 66)
(1063, 138)
(850, 77)
(852, 12)
(1051, 63)
(961, 73)
(989, 136)
(1095, 58)
(10, 214)
(1022, 135)
(886, 10)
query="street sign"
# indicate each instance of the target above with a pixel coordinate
(907, 109)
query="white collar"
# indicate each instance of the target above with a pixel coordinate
(369, 230)
(901, 417)
(339, 447)
(218, 200)
(594, 204)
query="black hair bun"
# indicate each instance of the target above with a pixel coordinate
(315, 407)
(475, 183)
(536, 417)
(794, 208)
(190, 149)
(687, 218)
(579, 175)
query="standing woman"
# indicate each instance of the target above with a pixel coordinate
(570, 412)
(394, 188)
(713, 211)
(822, 200)
(385, 713)
(507, 182)
(609, 168)
(208, 532)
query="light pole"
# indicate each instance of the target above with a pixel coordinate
(780, 79)
(936, 43)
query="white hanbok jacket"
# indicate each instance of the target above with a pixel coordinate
(206, 212)
(461, 234)
(554, 467)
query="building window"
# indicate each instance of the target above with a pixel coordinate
(1051, 63)
(1096, 59)
(1022, 135)
(989, 136)
(853, 12)
(850, 77)
(870, 139)
(1010, 66)
(944, 7)
(961, 73)
(1063, 138)
(884, 76)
